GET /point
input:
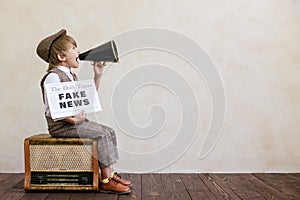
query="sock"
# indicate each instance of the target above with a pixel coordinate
(112, 174)
(105, 180)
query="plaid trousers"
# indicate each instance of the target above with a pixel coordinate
(105, 136)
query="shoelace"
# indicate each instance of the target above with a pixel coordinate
(117, 175)
(113, 181)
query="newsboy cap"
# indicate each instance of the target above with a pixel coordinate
(43, 48)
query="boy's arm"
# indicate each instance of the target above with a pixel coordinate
(77, 119)
(98, 70)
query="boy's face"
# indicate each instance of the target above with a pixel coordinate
(71, 57)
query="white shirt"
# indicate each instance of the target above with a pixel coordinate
(54, 78)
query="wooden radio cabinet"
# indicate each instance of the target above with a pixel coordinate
(60, 163)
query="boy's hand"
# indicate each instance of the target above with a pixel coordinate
(80, 117)
(98, 67)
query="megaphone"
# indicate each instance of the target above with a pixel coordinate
(105, 52)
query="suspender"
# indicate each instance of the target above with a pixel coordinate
(63, 77)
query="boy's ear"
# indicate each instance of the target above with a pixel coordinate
(61, 57)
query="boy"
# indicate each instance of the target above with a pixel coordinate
(60, 51)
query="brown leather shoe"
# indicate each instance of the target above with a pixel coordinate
(118, 178)
(113, 187)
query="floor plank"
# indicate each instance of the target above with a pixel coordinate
(296, 175)
(283, 184)
(35, 195)
(290, 180)
(4, 176)
(195, 187)
(59, 196)
(241, 186)
(103, 196)
(11, 180)
(82, 196)
(136, 188)
(152, 187)
(173, 187)
(214, 188)
(7, 184)
(293, 176)
(264, 189)
(223, 183)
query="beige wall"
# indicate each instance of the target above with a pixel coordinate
(253, 44)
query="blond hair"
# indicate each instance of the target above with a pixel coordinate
(59, 46)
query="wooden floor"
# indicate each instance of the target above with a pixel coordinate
(175, 186)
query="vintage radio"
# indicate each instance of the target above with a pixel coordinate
(60, 163)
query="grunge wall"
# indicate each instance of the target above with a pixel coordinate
(253, 45)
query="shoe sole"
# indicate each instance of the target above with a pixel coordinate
(112, 192)
(130, 185)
